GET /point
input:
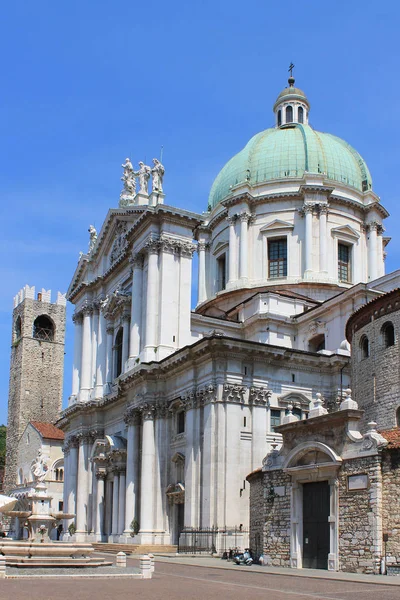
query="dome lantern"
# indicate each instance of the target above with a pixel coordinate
(292, 105)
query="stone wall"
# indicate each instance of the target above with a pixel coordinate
(36, 376)
(360, 523)
(391, 503)
(376, 378)
(257, 519)
(277, 519)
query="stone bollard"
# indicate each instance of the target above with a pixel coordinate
(145, 566)
(2, 567)
(121, 559)
(151, 556)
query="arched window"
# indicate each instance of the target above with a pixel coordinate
(398, 417)
(289, 114)
(43, 328)
(364, 347)
(118, 352)
(279, 118)
(387, 332)
(17, 328)
(300, 115)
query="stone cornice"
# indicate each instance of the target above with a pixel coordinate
(210, 348)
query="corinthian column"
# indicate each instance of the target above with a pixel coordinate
(99, 519)
(115, 504)
(94, 327)
(109, 355)
(323, 212)
(71, 474)
(308, 212)
(372, 251)
(381, 259)
(136, 307)
(77, 319)
(83, 488)
(86, 359)
(146, 486)
(151, 297)
(132, 467)
(125, 341)
(232, 250)
(202, 294)
(121, 502)
(101, 356)
(244, 245)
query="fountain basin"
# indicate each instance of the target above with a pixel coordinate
(49, 554)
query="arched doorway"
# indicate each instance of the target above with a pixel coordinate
(313, 467)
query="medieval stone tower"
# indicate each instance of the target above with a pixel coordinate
(36, 370)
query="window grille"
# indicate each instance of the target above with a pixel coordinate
(343, 263)
(277, 258)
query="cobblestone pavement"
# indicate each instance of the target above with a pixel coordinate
(174, 581)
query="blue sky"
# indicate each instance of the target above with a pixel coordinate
(85, 84)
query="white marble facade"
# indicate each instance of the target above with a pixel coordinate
(171, 409)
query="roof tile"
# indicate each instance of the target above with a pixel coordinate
(48, 430)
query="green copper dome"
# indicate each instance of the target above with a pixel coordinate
(288, 152)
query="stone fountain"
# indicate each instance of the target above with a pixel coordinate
(39, 550)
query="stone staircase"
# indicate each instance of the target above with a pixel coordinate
(134, 548)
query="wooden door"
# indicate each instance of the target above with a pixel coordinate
(315, 525)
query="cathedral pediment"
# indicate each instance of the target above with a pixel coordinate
(345, 231)
(277, 224)
(220, 246)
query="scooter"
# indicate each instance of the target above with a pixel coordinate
(243, 558)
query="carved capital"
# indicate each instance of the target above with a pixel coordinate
(245, 217)
(136, 260)
(147, 410)
(373, 226)
(152, 246)
(87, 308)
(126, 316)
(77, 318)
(72, 442)
(231, 220)
(84, 438)
(110, 329)
(95, 434)
(132, 416)
(202, 246)
(234, 393)
(96, 305)
(187, 249)
(161, 411)
(206, 394)
(323, 209)
(259, 396)
(307, 209)
(189, 399)
(101, 474)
